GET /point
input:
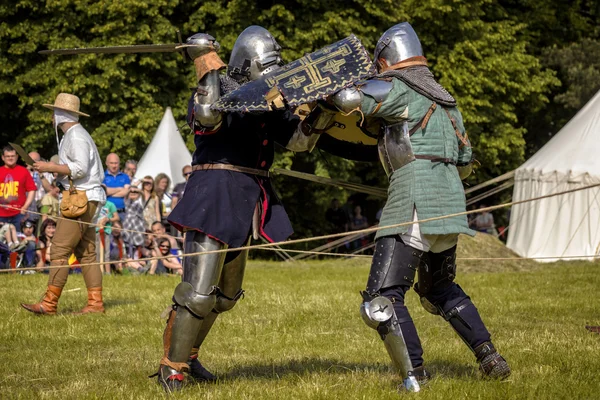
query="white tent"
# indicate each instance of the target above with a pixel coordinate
(566, 225)
(166, 153)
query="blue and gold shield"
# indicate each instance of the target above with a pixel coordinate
(312, 77)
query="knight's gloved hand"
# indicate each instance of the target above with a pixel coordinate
(319, 120)
(201, 44)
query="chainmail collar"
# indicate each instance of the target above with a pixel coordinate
(421, 80)
(228, 84)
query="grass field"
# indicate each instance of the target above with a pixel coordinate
(298, 335)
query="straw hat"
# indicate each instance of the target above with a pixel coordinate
(66, 102)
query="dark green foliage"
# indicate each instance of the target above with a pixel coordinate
(504, 61)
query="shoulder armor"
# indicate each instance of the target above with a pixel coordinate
(378, 89)
(348, 99)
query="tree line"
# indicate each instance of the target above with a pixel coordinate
(519, 70)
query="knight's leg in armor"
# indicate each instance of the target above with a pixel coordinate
(194, 298)
(441, 296)
(392, 274)
(230, 290)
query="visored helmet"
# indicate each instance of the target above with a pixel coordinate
(397, 44)
(255, 53)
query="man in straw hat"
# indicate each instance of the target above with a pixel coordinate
(79, 162)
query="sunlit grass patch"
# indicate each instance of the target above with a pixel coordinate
(297, 335)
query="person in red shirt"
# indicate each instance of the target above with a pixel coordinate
(17, 189)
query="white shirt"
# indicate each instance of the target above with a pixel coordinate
(79, 152)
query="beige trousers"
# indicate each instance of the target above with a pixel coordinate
(72, 237)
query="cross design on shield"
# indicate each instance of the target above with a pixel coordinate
(311, 67)
(295, 82)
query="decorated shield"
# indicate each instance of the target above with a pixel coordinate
(352, 137)
(312, 77)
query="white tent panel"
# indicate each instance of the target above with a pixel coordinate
(167, 153)
(566, 225)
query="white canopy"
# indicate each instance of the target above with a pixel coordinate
(166, 153)
(566, 225)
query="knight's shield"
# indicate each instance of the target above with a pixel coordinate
(312, 77)
(351, 136)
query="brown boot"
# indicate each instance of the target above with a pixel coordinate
(47, 306)
(94, 304)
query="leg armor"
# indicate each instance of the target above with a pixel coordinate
(394, 264)
(392, 274)
(378, 313)
(441, 296)
(194, 299)
(230, 290)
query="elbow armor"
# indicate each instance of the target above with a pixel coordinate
(207, 93)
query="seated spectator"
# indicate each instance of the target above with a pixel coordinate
(134, 224)
(116, 247)
(149, 245)
(140, 266)
(29, 243)
(8, 235)
(45, 243)
(151, 203)
(165, 265)
(484, 221)
(159, 231)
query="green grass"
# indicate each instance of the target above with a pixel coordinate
(298, 335)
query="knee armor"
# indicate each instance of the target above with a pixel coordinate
(394, 264)
(196, 303)
(225, 303)
(436, 270)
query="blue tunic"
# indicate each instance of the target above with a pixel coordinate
(221, 203)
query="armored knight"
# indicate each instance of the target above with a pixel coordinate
(425, 152)
(228, 198)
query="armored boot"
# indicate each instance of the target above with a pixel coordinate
(196, 371)
(94, 304)
(491, 364)
(422, 375)
(48, 304)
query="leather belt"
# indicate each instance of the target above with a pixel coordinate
(435, 159)
(229, 167)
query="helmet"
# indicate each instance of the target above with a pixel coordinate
(200, 44)
(397, 44)
(255, 53)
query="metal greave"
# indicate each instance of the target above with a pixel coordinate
(230, 285)
(203, 273)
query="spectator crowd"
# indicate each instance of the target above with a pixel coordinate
(131, 225)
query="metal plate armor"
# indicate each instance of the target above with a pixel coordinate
(395, 150)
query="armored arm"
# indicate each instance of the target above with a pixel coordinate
(206, 94)
(309, 129)
(202, 49)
